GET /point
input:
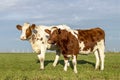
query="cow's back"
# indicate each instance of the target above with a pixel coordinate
(88, 39)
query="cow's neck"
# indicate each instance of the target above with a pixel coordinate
(33, 38)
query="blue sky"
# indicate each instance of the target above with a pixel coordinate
(80, 14)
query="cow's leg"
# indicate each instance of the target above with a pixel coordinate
(102, 56)
(74, 61)
(56, 57)
(66, 63)
(97, 59)
(41, 58)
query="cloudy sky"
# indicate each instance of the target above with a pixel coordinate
(80, 14)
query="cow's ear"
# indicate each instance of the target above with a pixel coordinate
(47, 31)
(19, 27)
(59, 31)
(32, 26)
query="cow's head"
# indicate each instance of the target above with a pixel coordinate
(54, 34)
(26, 30)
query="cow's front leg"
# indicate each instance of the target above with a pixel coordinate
(41, 58)
(66, 63)
(74, 61)
(56, 58)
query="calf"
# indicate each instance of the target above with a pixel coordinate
(73, 42)
(38, 39)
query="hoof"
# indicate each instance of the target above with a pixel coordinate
(54, 65)
(101, 69)
(41, 68)
(65, 69)
(75, 72)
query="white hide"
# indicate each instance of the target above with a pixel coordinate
(23, 35)
(98, 52)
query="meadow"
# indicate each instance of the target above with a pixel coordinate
(25, 66)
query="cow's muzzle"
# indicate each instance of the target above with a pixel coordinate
(50, 42)
(23, 38)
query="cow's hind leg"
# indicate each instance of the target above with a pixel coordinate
(101, 50)
(102, 56)
(96, 53)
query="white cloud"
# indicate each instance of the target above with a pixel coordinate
(90, 8)
(6, 4)
(56, 10)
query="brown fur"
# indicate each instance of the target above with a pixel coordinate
(83, 41)
(90, 37)
(19, 27)
(69, 44)
(28, 32)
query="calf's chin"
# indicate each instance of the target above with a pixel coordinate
(51, 42)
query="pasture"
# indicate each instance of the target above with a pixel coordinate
(25, 66)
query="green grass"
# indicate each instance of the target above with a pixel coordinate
(25, 67)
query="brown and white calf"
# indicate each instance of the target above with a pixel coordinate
(37, 36)
(73, 42)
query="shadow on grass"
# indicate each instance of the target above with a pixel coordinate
(81, 62)
(85, 62)
(71, 65)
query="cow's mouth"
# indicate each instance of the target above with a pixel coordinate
(51, 42)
